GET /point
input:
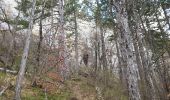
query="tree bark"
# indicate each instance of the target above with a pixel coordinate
(96, 52)
(127, 51)
(104, 60)
(134, 24)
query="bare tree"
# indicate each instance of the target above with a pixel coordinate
(25, 55)
(61, 40)
(38, 56)
(76, 37)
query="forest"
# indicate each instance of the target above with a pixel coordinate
(84, 49)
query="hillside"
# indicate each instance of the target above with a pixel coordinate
(81, 87)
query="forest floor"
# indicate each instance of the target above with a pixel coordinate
(78, 87)
(81, 90)
(73, 89)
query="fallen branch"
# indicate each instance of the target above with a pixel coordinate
(8, 71)
(3, 90)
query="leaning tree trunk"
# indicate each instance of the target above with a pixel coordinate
(121, 63)
(25, 55)
(134, 26)
(127, 50)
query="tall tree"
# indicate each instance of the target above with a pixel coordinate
(141, 59)
(127, 50)
(76, 36)
(39, 43)
(101, 30)
(61, 41)
(25, 55)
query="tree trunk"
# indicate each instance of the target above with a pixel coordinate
(165, 76)
(39, 45)
(96, 52)
(96, 49)
(148, 83)
(104, 60)
(76, 39)
(25, 55)
(127, 51)
(122, 68)
(121, 62)
(134, 24)
(61, 41)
